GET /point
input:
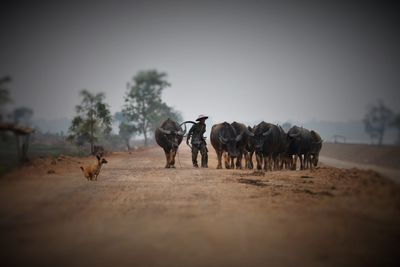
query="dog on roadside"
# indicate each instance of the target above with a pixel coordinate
(92, 171)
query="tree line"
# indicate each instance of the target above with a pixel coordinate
(144, 110)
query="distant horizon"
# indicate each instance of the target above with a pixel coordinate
(353, 130)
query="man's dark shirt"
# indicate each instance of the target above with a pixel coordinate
(196, 133)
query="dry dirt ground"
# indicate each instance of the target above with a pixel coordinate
(140, 214)
(383, 156)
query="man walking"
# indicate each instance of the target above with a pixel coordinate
(198, 141)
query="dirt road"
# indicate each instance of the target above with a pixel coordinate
(140, 214)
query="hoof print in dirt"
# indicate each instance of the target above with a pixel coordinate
(308, 191)
(256, 182)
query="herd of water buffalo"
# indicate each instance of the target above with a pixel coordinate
(274, 148)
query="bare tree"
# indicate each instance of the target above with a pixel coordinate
(4, 95)
(22, 115)
(376, 121)
(396, 124)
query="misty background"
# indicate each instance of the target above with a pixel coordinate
(316, 64)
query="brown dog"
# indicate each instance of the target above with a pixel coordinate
(92, 171)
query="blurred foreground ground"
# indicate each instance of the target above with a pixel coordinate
(140, 214)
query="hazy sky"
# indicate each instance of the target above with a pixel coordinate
(232, 60)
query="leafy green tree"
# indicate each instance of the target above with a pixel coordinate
(163, 112)
(376, 121)
(93, 118)
(143, 104)
(126, 130)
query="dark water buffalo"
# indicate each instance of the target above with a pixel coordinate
(243, 131)
(281, 157)
(316, 145)
(299, 145)
(250, 149)
(269, 143)
(286, 158)
(169, 136)
(224, 140)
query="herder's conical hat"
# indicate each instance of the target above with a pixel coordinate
(201, 117)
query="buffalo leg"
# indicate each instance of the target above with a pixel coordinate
(259, 161)
(167, 157)
(227, 161)
(301, 162)
(204, 157)
(219, 156)
(239, 161)
(309, 160)
(232, 163)
(282, 161)
(294, 162)
(251, 160)
(289, 162)
(271, 162)
(275, 161)
(306, 161)
(266, 163)
(172, 159)
(246, 160)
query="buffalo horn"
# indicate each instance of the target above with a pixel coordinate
(164, 131)
(267, 132)
(221, 139)
(248, 132)
(239, 137)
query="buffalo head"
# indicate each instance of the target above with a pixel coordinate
(172, 137)
(230, 144)
(259, 140)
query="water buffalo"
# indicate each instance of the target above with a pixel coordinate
(169, 136)
(286, 159)
(243, 131)
(281, 157)
(224, 140)
(250, 149)
(299, 145)
(269, 144)
(316, 145)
